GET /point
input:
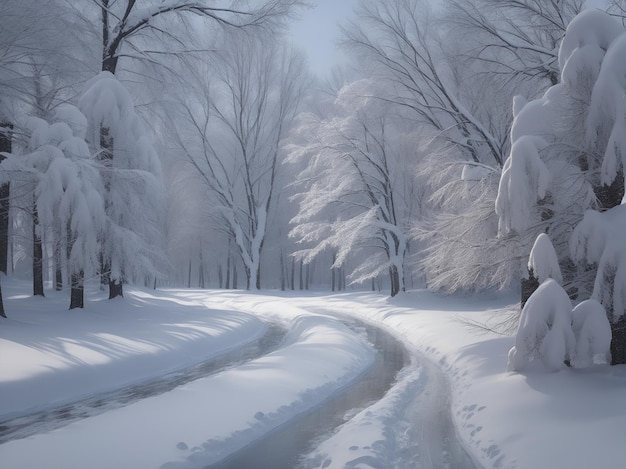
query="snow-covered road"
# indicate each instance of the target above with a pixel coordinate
(456, 387)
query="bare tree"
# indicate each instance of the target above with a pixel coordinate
(518, 38)
(236, 130)
(395, 36)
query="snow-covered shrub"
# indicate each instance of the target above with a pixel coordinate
(544, 340)
(593, 334)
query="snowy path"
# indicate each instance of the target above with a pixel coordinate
(284, 447)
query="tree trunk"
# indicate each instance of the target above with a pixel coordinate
(2, 313)
(394, 277)
(189, 274)
(105, 270)
(307, 276)
(58, 266)
(37, 256)
(234, 277)
(618, 342)
(301, 276)
(77, 291)
(201, 271)
(528, 287)
(220, 276)
(282, 271)
(228, 261)
(5, 146)
(292, 282)
(115, 289)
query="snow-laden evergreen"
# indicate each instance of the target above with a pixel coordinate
(544, 339)
(69, 189)
(567, 147)
(134, 193)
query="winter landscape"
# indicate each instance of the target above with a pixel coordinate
(218, 250)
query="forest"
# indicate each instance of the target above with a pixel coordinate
(187, 143)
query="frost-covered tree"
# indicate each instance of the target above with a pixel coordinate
(354, 186)
(544, 339)
(133, 190)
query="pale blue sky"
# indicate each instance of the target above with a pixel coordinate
(317, 32)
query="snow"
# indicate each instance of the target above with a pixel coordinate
(598, 240)
(543, 261)
(573, 418)
(593, 334)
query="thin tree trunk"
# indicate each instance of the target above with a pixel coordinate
(58, 265)
(189, 274)
(5, 146)
(77, 291)
(282, 271)
(2, 313)
(228, 261)
(234, 277)
(105, 271)
(37, 256)
(220, 276)
(292, 282)
(301, 276)
(201, 271)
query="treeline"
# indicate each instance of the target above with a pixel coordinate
(186, 143)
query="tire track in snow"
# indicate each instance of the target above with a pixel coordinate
(23, 426)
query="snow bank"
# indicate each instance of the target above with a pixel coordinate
(51, 355)
(571, 419)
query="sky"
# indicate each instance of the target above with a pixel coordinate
(317, 33)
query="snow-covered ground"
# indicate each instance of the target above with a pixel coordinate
(49, 355)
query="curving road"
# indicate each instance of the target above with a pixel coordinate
(405, 393)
